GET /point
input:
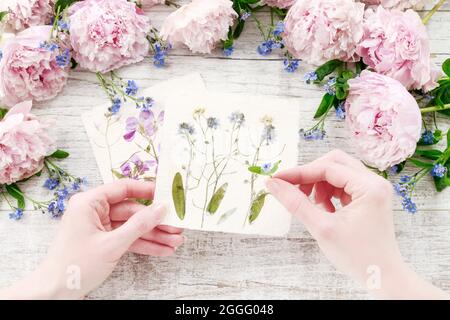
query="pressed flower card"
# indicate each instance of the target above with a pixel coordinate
(217, 151)
(126, 143)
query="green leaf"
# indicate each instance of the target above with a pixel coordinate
(3, 113)
(325, 105)
(178, 196)
(61, 5)
(446, 67)
(3, 15)
(429, 154)
(327, 69)
(421, 164)
(255, 169)
(448, 138)
(145, 202)
(239, 28)
(59, 154)
(15, 192)
(216, 199)
(117, 174)
(257, 206)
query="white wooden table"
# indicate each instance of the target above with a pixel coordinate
(224, 266)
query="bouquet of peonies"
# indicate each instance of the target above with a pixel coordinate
(373, 60)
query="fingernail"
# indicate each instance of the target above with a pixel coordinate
(159, 210)
(273, 185)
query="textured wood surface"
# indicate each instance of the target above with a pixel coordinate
(213, 265)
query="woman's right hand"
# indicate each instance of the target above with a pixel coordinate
(357, 237)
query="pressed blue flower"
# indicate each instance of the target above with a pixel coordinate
(51, 183)
(228, 51)
(148, 103)
(266, 167)
(212, 123)
(159, 59)
(340, 111)
(409, 205)
(63, 25)
(245, 15)
(1, 55)
(427, 137)
(314, 134)
(438, 171)
(116, 105)
(401, 189)
(405, 179)
(279, 29)
(186, 128)
(237, 117)
(329, 86)
(290, 65)
(16, 215)
(62, 193)
(131, 88)
(63, 59)
(265, 48)
(310, 77)
(50, 46)
(393, 170)
(75, 187)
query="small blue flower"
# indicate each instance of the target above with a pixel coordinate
(1, 55)
(265, 48)
(245, 15)
(266, 167)
(393, 170)
(16, 215)
(314, 134)
(427, 137)
(186, 128)
(116, 105)
(405, 179)
(409, 205)
(340, 111)
(290, 65)
(212, 123)
(148, 103)
(50, 46)
(131, 88)
(63, 25)
(228, 51)
(51, 183)
(237, 118)
(329, 86)
(63, 60)
(438, 171)
(62, 194)
(279, 29)
(310, 77)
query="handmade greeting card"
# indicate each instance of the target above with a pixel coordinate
(217, 151)
(127, 143)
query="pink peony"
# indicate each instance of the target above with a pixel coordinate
(199, 25)
(283, 4)
(384, 120)
(29, 71)
(26, 13)
(322, 30)
(24, 143)
(396, 44)
(397, 4)
(108, 34)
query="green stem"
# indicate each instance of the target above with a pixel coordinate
(7, 200)
(435, 108)
(436, 7)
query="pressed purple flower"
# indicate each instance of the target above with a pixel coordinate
(126, 169)
(16, 215)
(266, 167)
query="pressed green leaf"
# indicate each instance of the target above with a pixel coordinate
(145, 202)
(420, 164)
(325, 105)
(226, 215)
(3, 113)
(3, 15)
(216, 199)
(257, 205)
(327, 69)
(274, 168)
(117, 174)
(448, 138)
(446, 67)
(15, 192)
(429, 154)
(59, 154)
(255, 169)
(178, 196)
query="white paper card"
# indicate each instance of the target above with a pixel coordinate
(136, 156)
(211, 145)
